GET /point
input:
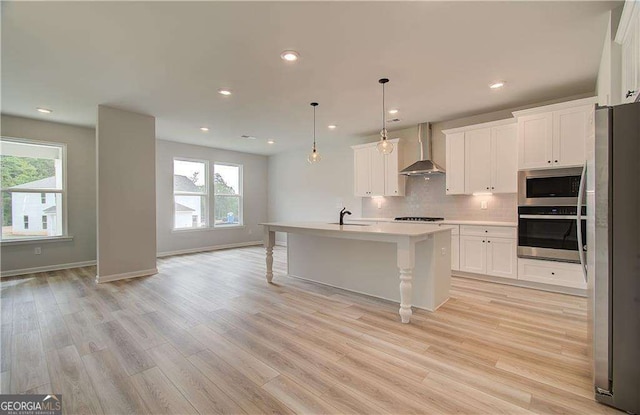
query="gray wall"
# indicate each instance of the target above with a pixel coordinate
(126, 157)
(254, 198)
(81, 196)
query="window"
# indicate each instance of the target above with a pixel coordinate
(44, 222)
(227, 189)
(33, 185)
(190, 194)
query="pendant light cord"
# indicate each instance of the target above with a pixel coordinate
(314, 128)
(384, 121)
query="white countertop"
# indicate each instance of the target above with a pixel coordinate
(382, 228)
(441, 222)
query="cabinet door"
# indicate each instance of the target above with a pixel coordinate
(361, 171)
(502, 258)
(455, 252)
(455, 164)
(477, 157)
(377, 172)
(473, 254)
(394, 183)
(504, 160)
(631, 64)
(570, 132)
(535, 142)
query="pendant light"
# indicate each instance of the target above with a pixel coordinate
(384, 146)
(314, 157)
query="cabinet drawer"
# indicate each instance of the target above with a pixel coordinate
(489, 231)
(549, 272)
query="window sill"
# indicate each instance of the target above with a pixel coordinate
(207, 228)
(25, 241)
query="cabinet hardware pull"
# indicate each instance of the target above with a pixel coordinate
(630, 93)
(486, 231)
(555, 161)
(548, 161)
(488, 241)
(487, 188)
(482, 241)
(553, 273)
(492, 187)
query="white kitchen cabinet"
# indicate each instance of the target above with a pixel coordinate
(570, 132)
(455, 158)
(502, 257)
(489, 250)
(482, 158)
(628, 36)
(535, 141)
(504, 163)
(376, 174)
(477, 156)
(555, 135)
(473, 254)
(394, 183)
(551, 272)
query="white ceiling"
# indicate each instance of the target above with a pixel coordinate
(168, 59)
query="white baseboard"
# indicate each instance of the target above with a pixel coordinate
(124, 276)
(208, 248)
(46, 268)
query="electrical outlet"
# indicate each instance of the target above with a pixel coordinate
(379, 204)
(38, 250)
(443, 251)
(483, 204)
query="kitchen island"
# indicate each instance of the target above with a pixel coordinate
(368, 258)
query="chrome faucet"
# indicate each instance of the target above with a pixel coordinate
(343, 212)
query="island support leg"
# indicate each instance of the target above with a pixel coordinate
(269, 242)
(406, 263)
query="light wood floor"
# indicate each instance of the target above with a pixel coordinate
(208, 335)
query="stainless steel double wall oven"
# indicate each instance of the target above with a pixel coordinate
(552, 214)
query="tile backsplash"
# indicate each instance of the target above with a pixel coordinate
(427, 198)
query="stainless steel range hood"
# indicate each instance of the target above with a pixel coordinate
(425, 165)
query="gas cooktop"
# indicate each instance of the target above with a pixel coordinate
(418, 219)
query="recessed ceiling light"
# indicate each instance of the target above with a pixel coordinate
(496, 85)
(44, 110)
(205, 129)
(332, 126)
(393, 111)
(290, 55)
(271, 142)
(224, 91)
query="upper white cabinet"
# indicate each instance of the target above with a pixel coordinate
(504, 163)
(554, 135)
(455, 164)
(482, 158)
(628, 36)
(376, 174)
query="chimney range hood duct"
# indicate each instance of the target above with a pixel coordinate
(424, 166)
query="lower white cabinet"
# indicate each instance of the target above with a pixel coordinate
(488, 250)
(551, 272)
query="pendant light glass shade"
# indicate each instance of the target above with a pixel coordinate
(384, 146)
(314, 157)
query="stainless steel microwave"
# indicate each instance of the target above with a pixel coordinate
(552, 187)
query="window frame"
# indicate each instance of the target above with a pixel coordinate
(206, 195)
(64, 235)
(239, 196)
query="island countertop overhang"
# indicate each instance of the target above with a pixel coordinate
(387, 229)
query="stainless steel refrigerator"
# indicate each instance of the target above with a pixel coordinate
(613, 254)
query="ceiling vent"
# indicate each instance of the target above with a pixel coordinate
(248, 137)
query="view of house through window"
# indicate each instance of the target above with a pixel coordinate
(33, 189)
(227, 186)
(190, 194)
